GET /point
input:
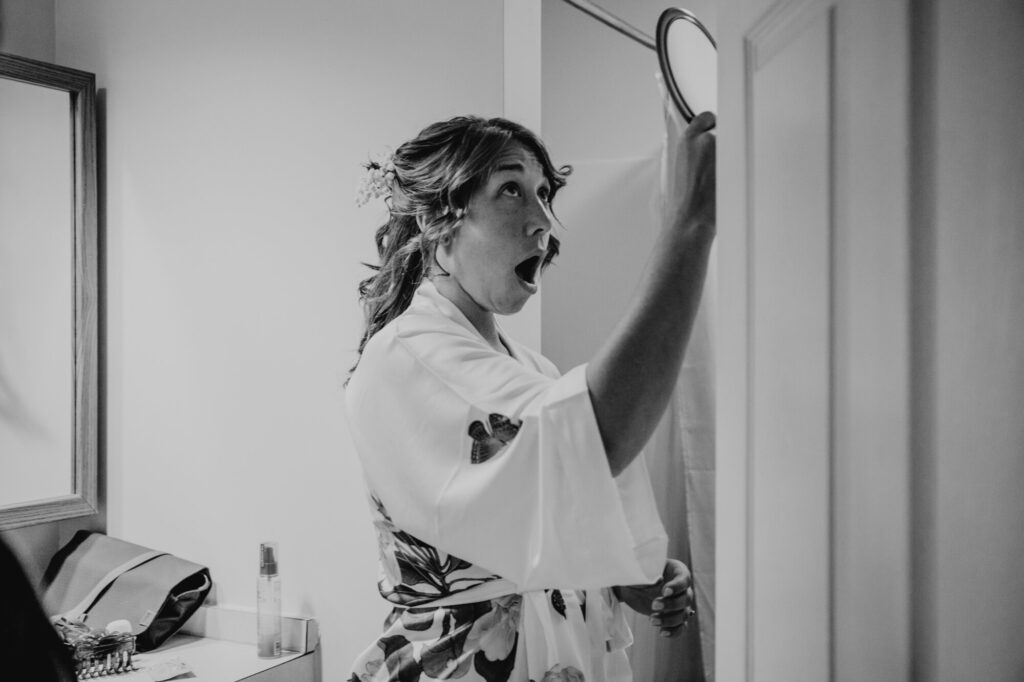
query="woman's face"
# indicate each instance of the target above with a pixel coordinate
(496, 251)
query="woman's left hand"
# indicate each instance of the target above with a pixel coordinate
(669, 602)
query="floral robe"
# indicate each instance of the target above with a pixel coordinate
(500, 526)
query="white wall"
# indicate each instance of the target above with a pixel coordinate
(233, 137)
(27, 28)
(969, 326)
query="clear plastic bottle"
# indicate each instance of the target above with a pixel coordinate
(268, 604)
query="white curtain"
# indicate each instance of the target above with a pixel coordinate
(681, 458)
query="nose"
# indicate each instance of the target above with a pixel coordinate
(539, 220)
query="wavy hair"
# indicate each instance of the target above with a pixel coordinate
(435, 175)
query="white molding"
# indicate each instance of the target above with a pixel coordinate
(778, 28)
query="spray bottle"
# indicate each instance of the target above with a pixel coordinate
(268, 604)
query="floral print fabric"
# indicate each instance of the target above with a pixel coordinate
(478, 641)
(415, 573)
(469, 642)
(490, 487)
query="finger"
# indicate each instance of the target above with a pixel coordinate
(679, 602)
(677, 587)
(672, 626)
(671, 632)
(666, 628)
(677, 578)
(670, 620)
(701, 123)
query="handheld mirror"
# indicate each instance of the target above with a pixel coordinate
(689, 62)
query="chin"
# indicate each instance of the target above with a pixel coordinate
(511, 307)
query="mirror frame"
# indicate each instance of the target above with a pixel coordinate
(83, 500)
(667, 18)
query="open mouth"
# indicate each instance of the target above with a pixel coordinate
(529, 269)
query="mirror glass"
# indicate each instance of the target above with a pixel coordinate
(49, 387)
(689, 61)
(36, 296)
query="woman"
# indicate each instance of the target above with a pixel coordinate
(513, 512)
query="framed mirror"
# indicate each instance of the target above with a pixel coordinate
(688, 56)
(49, 288)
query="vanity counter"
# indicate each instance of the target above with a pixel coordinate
(218, 660)
(219, 645)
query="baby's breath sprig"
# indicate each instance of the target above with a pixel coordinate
(378, 181)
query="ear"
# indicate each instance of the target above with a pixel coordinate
(442, 254)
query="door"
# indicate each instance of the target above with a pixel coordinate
(813, 368)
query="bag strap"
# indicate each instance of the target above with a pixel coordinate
(78, 611)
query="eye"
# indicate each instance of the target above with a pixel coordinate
(545, 194)
(512, 189)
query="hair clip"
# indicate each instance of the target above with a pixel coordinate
(378, 181)
(96, 653)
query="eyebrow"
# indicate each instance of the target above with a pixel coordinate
(511, 166)
(516, 166)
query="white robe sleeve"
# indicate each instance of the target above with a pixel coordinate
(543, 510)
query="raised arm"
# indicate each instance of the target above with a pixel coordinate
(632, 376)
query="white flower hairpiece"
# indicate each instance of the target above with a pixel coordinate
(378, 181)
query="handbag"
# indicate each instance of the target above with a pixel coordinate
(97, 579)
